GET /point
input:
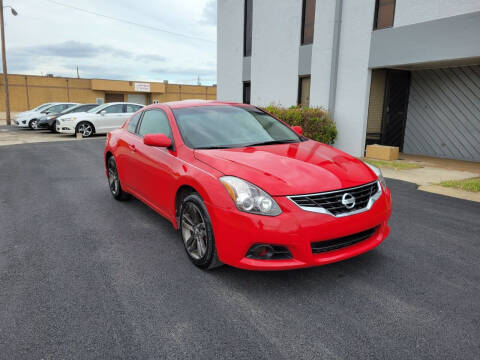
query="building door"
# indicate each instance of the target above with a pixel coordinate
(113, 97)
(444, 113)
(395, 108)
(137, 98)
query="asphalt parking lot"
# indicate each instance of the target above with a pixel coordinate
(83, 276)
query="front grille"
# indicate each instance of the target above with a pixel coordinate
(335, 244)
(331, 202)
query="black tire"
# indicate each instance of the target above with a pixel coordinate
(85, 128)
(209, 259)
(32, 124)
(114, 181)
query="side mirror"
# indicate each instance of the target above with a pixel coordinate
(103, 112)
(297, 129)
(158, 140)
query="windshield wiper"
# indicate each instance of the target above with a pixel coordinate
(272, 142)
(212, 147)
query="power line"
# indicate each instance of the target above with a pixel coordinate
(130, 22)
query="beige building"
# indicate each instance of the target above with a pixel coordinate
(29, 91)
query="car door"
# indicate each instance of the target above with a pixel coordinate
(125, 154)
(112, 117)
(153, 177)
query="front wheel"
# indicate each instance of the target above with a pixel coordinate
(197, 233)
(33, 124)
(84, 128)
(114, 181)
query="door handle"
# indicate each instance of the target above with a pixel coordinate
(132, 147)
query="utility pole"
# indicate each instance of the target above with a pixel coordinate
(4, 61)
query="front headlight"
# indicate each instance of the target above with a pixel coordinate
(249, 198)
(50, 117)
(69, 119)
(378, 172)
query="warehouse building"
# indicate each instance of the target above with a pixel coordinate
(28, 91)
(404, 73)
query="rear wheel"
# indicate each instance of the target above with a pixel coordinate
(114, 181)
(197, 233)
(84, 128)
(33, 124)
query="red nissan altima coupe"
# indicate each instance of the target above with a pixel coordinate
(245, 189)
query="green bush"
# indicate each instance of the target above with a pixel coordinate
(315, 122)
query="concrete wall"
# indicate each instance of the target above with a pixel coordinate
(414, 11)
(449, 39)
(230, 49)
(353, 83)
(322, 53)
(275, 52)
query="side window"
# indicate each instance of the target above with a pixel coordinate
(308, 21)
(155, 122)
(384, 14)
(114, 109)
(132, 108)
(55, 109)
(132, 124)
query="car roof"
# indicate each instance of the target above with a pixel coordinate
(121, 102)
(197, 102)
(66, 102)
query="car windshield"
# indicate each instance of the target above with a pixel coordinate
(227, 126)
(41, 107)
(98, 108)
(77, 108)
(69, 110)
(52, 108)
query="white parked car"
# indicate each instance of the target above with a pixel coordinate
(30, 118)
(99, 120)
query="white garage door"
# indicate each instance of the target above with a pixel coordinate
(138, 98)
(443, 117)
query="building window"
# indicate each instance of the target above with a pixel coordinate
(247, 29)
(384, 14)
(308, 21)
(304, 91)
(246, 92)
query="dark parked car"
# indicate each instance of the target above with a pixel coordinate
(48, 122)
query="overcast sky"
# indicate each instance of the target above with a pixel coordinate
(47, 37)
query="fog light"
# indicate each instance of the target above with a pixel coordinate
(268, 252)
(260, 251)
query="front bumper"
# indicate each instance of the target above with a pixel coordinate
(20, 123)
(44, 124)
(235, 232)
(65, 128)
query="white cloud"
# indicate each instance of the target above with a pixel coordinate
(50, 38)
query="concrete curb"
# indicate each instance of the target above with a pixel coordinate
(427, 179)
(456, 193)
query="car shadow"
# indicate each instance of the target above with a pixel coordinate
(272, 281)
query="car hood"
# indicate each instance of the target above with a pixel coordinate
(29, 114)
(289, 169)
(83, 115)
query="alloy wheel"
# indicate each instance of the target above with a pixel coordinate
(194, 231)
(85, 129)
(34, 124)
(113, 181)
